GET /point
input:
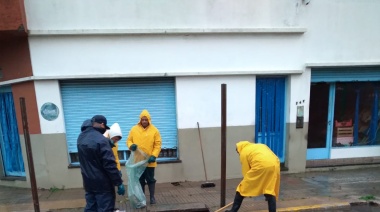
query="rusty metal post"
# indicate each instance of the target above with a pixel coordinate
(223, 148)
(29, 155)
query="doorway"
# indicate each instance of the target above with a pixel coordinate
(270, 114)
(10, 146)
(322, 96)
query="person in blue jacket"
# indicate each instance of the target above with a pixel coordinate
(98, 167)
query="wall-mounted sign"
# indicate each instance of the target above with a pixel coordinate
(49, 111)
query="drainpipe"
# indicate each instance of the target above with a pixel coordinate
(223, 148)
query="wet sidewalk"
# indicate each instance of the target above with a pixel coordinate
(305, 191)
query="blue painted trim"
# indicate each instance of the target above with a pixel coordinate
(330, 125)
(345, 74)
(286, 114)
(317, 154)
(324, 153)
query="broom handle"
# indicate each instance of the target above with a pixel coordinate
(203, 159)
(226, 206)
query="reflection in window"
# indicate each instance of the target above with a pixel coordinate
(356, 114)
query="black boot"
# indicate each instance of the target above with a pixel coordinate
(237, 203)
(152, 188)
(271, 202)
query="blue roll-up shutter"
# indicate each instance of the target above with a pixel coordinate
(345, 74)
(121, 101)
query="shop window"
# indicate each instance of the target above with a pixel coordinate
(356, 114)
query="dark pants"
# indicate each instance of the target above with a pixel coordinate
(96, 202)
(239, 199)
(148, 176)
(271, 202)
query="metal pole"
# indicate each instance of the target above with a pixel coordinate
(223, 148)
(29, 154)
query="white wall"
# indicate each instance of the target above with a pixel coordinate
(355, 152)
(299, 94)
(134, 55)
(48, 91)
(140, 14)
(341, 31)
(199, 100)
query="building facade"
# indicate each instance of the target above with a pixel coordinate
(302, 77)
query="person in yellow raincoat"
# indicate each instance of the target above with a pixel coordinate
(261, 171)
(146, 137)
(115, 135)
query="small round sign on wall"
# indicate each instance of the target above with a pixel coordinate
(49, 111)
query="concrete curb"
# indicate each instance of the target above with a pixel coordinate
(313, 207)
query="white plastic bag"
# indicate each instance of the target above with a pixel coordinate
(136, 165)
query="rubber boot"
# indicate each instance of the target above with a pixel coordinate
(152, 188)
(271, 202)
(237, 203)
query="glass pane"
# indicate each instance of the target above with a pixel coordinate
(356, 102)
(319, 101)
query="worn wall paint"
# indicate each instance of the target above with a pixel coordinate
(26, 90)
(11, 14)
(296, 148)
(15, 58)
(51, 158)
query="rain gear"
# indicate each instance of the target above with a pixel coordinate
(148, 139)
(115, 130)
(85, 124)
(260, 168)
(97, 162)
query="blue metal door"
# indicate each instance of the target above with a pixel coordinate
(9, 137)
(270, 114)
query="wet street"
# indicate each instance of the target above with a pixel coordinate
(357, 209)
(310, 191)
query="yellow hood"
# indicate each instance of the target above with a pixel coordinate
(146, 114)
(240, 145)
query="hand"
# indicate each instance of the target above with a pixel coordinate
(120, 174)
(133, 147)
(152, 159)
(121, 189)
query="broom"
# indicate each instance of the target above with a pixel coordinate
(226, 206)
(206, 184)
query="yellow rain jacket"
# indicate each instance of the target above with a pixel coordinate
(114, 130)
(115, 150)
(148, 139)
(260, 168)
